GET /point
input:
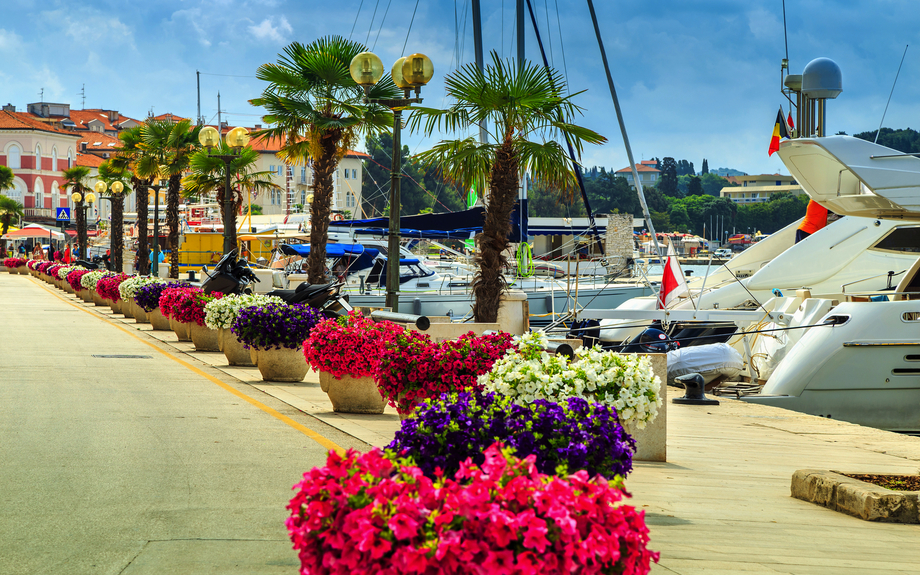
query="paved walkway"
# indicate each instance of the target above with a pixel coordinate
(720, 504)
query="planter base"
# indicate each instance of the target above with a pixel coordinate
(158, 321)
(282, 364)
(234, 351)
(204, 338)
(180, 329)
(352, 394)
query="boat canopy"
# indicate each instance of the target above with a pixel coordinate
(332, 250)
(453, 225)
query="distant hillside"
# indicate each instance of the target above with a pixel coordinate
(907, 140)
(725, 172)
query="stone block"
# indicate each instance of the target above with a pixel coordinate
(853, 497)
(652, 442)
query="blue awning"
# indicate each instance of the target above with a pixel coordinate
(332, 250)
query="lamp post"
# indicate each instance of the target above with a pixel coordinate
(89, 198)
(117, 188)
(236, 139)
(410, 72)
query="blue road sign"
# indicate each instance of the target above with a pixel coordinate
(63, 214)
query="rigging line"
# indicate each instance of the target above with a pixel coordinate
(358, 13)
(410, 28)
(785, 33)
(382, 22)
(565, 68)
(371, 27)
(456, 54)
(404, 174)
(549, 33)
(892, 92)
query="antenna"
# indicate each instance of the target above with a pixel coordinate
(41, 95)
(83, 97)
(889, 95)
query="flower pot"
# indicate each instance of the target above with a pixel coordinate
(116, 306)
(158, 321)
(282, 364)
(140, 315)
(86, 295)
(180, 329)
(234, 350)
(67, 287)
(352, 394)
(204, 338)
(254, 356)
(127, 308)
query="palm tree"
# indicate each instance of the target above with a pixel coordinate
(318, 112)
(10, 209)
(111, 172)
(522, 102)
(76, 179)
(173, 145)
(209, 176)
(133, 158)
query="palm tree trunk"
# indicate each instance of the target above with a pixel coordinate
(81, 230)
(142, 197)
(118, 240)
(323, 170)
(489, 283)
(4, 227)
(172, 223)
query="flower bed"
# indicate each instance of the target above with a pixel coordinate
(128, 288)
(275, 325)
(220, 313)
(625, 382)
(349, 345)
(413, 368)
(90, 280)
(565, 437)
(191, 308)
(75, 278)
(12, 263)
(64, 270)
(172, 298)
(364, 514)
(147, 295)
(107, 287)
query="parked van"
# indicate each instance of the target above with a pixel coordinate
(723, 253)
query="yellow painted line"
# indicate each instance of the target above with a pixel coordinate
(328, 444)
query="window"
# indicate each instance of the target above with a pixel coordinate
(779, 183)
(54, 160)
(349, 200)
(303, 174)
(14, 157)
(905, 239)
(347, 174)
(38, 157)
(354, 173)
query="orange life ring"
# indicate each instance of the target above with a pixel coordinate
(337, 217)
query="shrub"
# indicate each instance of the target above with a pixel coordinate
(364, 514)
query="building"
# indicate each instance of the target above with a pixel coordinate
(296, 182)
(649, 173)
(751, 189)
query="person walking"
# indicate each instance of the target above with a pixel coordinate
(815, 219)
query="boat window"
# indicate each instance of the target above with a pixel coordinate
(910, 316)
(904, 239)
(373, 278)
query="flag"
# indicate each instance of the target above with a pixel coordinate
(789, 120)
(672, 281)
(779, 132)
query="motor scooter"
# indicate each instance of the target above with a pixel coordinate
(230, 276)
(325, 297)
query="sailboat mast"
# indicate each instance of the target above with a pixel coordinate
(629, 154)
(568, 141)
(520, 32)
(477, 49)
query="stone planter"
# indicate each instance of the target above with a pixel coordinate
(204, 338)
(254, 356)
(352, 394)
(234, 351)
(66, 287)
(140, 315)
(158, 321)
(86, 295)
(282, 364)
(97, 299)
(127, 308)
(116, 306)
(180, 329)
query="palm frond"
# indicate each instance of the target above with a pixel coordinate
(462, 162)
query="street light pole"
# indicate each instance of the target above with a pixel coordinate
(236, 139)
(410, 72)
(155, 261)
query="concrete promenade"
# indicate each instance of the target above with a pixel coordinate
(720, 504)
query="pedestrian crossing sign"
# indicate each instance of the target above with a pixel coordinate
(63, 214)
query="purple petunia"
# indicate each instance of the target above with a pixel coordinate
(275, 325)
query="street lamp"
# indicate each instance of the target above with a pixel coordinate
(117, 188)
(410, 72)
(81, 219)
(236, 139)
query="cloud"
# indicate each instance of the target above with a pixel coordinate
(268, 30)
(9, 41)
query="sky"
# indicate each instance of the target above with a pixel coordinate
(695, 78)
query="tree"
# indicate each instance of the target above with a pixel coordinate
(668, 182)
(111, 172)
(713, 184)
(208, 177)
(318, 112)
(545, 202)
(695, 187)
(705, 169)
(10, 209)
(76, 179)
(132, 156)
(522, 101)
(906, 141)
(172, 144)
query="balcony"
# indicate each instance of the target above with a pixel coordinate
(46, 213)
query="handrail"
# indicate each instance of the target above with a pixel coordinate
(848, 237)
(420, 321)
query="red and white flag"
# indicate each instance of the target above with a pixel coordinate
(672, 281)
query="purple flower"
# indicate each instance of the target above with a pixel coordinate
(275, 325)
(565, 437)
(148, 296)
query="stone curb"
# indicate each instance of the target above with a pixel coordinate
(854, 497)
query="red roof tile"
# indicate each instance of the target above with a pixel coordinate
(639, 168)
(98, 142)
(25, 121)
(82, 119)
(89, 160)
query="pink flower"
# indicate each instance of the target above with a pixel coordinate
(403, 526)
